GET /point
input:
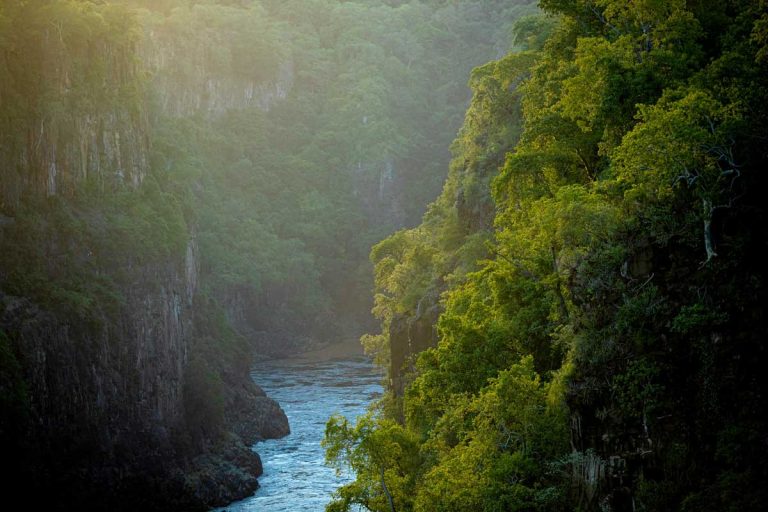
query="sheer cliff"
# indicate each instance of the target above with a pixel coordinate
(71, 103)
(122, 387)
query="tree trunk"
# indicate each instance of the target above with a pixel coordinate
(386, 491)
(559, 286)
(709, 245)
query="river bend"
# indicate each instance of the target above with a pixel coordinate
(295, 476)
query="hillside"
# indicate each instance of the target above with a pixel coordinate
(579, 321)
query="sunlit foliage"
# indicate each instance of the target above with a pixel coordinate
(602, 352)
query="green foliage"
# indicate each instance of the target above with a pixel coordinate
(412, 267)
(638, 156)
(480, 454)
(66, 255)
(288, 198)
(382, 453)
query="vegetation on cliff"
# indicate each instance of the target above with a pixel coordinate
(178, 178)
(335, 138)
(112, 379)
(606, 352)
(576, 324)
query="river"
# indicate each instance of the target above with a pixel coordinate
(295, 476)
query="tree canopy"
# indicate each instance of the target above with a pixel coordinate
(599, 317)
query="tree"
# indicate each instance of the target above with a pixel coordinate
(383, 455)
(685, 140)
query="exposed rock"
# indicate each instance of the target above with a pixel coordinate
(379, 187)
(106, 419)
(252, 415)
(117, 381)
(262, 419)
(103, 412)
(227, 474)
(83, 121)
(202, 88)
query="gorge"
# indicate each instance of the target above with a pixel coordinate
(543, 220)
(184, 184)
(309, 388)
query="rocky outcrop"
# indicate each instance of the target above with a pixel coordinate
(256, 417)
(227, 476)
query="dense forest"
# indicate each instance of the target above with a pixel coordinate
(570, 285)
(579, 321)
(309, 130)
(186, 183)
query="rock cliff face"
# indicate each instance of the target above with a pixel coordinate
(209, 71)
(109, 406)
(121, 378)
(116, 390)
(380, 189)
(57, 139)
(109, 149)
(210, 93)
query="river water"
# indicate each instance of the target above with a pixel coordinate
(295, 476)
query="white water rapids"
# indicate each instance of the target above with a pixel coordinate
(295, 476)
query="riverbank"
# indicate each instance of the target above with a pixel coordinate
(310, 387)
